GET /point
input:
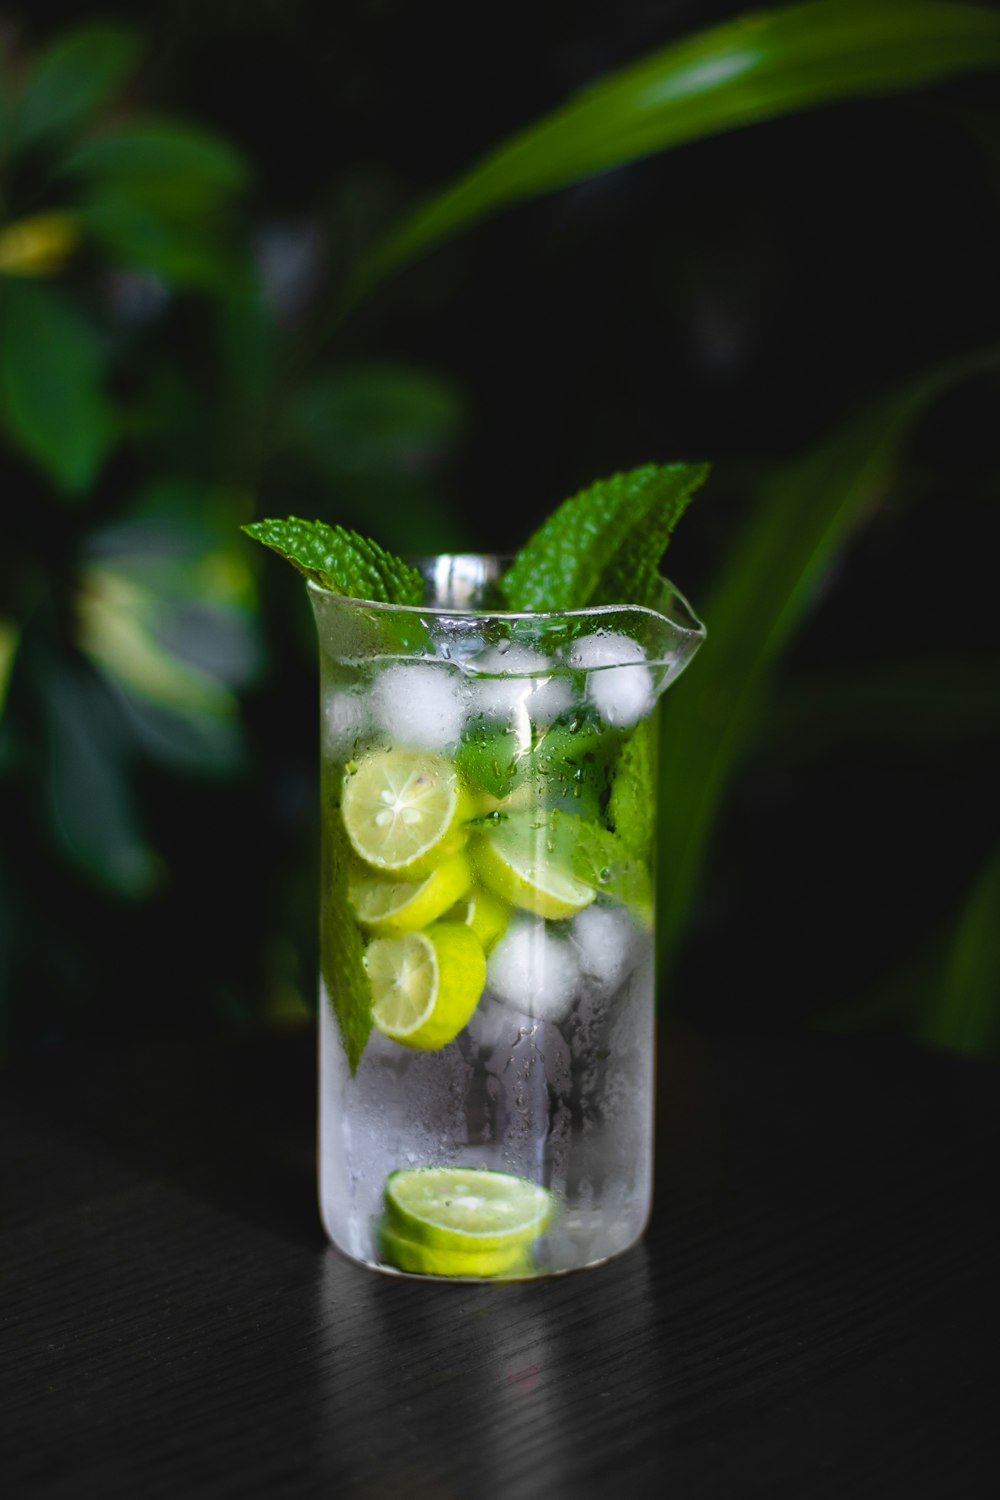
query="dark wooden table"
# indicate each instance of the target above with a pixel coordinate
(813, 1313)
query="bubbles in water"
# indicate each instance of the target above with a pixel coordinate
(419, 704)
(624, 696)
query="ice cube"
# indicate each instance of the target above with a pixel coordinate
(346, 721)
(535, 971)
(604, 938)
(543, 698)
(419, 704)
(622, 688)
(495, 1025)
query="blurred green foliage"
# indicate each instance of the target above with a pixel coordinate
(173, 362)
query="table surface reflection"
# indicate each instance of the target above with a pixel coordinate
(812, 1313)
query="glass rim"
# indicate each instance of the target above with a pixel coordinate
(428, 563)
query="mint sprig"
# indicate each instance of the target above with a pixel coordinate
(344, 973)
(604, 545)
(633, 793)
(341, 560)
(603, 860)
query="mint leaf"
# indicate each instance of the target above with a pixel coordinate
(569, 766)
(604, 545)
(583, 848)
(341, 560)
(344, 973)
(633, 792)
(603, 860)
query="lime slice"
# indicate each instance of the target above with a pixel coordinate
(425, 985)
(387, 908)
(466, 1210)
(403, 811)
(432, 1260)
(485, 913)
(516, 866)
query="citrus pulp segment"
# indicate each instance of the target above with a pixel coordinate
(519, 870)
(434, 1260)
(466, 1209)
(387, 908)
(403, 811)
(425, 985)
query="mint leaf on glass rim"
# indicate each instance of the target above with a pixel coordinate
(604, 545)
(341, 560)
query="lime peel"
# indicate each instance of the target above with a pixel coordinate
(388, 908)
(466, 1209)
(430, 1260)
(426, 985)
(484, 912)
(512, 864)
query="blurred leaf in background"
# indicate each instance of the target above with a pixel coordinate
(165, 316)
(756, 67)
(803, 519)
(377, 435)
(129, 619)
(52, 395)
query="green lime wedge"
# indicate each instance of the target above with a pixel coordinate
(404, 810)
(425, 985)
(484, 912)
(466, 1210)
(515, 864)
(387, 908)
(431, 1260)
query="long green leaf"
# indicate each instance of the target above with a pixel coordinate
(159, 155)
(754, 68)
(51, 399)
(805, 516)
(964, 1009)
(946, 991)
(87, 779)
(79, 72)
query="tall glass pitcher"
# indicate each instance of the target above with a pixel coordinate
(487, 995)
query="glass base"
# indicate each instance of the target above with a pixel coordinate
(516, 1109)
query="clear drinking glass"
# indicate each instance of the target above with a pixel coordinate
(488, 804)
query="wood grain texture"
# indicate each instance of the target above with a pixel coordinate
(813, 1312)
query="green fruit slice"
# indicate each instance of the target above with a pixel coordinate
(484, 912)
(431, 1260)
(403, 811)
(516, 866)
(466, 1210)
(425, 985)
(387, 908)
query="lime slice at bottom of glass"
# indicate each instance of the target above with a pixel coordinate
(466, 1210)
(425, 985)
(432, 1260)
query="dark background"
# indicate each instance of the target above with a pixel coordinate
(736, 299)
